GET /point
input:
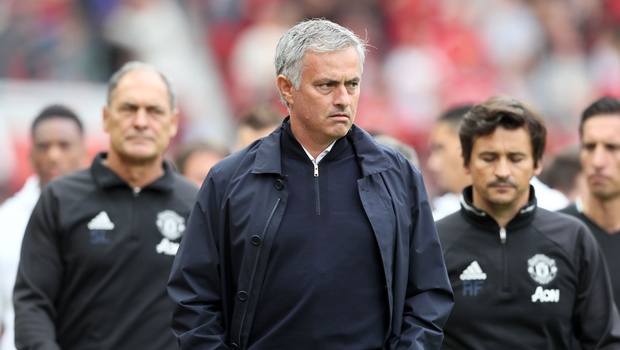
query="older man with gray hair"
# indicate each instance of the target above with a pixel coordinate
(315, 237)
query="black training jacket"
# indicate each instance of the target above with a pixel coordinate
(95, 260)
(539, 283)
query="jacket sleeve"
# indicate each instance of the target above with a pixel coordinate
(194, 285)
(429, 296)
(39, 278)
(595, 318)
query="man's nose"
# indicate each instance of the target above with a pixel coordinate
(341, 96)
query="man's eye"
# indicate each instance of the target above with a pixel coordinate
(588, 147)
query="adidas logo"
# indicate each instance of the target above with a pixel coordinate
(101, 222)
(473, 272)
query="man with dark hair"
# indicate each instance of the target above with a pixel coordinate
(58, 148)
(523, 277)
(564, 173)
(317, 236)
(446, 166)
(257, 123)
(98, 249)
(599, 204)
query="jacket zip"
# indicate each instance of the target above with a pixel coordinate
(502, 238)
(245, 309)
(316, 188)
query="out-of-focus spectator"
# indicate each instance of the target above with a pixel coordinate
(406, 150)
(7, 159)
(564, 173)
(251, 59)
(195, 159)
(159, 32)
(256, 123)
(425, 56)
(445, 161)
(560, 84)
(57, 148)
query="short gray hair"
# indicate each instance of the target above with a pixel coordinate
(133, 65)
(318, 35)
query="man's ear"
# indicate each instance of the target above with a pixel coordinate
(175, 122)
(538, 168)
(105, 118)
(286, 88)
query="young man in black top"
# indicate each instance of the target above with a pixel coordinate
(523, 277)
(599, 204)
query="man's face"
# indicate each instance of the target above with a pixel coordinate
(324, 107)
(198, 164)
(58, 148)
(600, 155)
(501, 167)
(445, 161)
(140, 118)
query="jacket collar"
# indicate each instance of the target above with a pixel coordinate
(106, 178)
(482, 218)
(370, 155)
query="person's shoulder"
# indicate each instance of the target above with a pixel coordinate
(450, 229)
(183, 186)
(455, 219)
(562, 228)
(69, 181)
(571, 209)
(554, 218)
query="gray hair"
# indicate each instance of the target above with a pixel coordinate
(318, 35)
(133, 65)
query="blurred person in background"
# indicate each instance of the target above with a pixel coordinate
(98, 248)
(58, 148)
(406, 150)
(523, 277)
(7, 160)
(445, 162)
(599, 204)
(564, 173)
(195, 159)
(257, 123)
(317, 236)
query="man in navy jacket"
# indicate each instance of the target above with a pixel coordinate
(315, 237)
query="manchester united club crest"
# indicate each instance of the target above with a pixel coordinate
(170, 224)
(542, 269)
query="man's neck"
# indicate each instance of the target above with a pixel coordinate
(604, 213)
(136, 175)
(502, 214)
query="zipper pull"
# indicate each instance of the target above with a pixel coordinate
(316, 170)
(502, 235)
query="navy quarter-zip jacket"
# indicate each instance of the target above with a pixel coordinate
(219, 271)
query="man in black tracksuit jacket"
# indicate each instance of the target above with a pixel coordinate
(599, 204)
(99, 246)
(523, 277)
